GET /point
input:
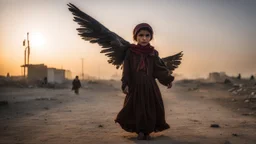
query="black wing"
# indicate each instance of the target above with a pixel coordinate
(172, 62)
(91, 30)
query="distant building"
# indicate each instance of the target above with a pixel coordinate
(37, 72)
(56, 75)
(68, 74)
(217, 76)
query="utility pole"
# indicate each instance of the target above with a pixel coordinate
(82, 68)
(25, 53)
(28, 47)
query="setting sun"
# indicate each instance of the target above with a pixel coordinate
(37, 39)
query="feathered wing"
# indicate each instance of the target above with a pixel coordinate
(91, 30)
(172, 62)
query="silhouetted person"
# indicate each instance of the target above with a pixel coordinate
(45, 80)
(8, 75)
(252, 77)
(76, 85)
(239, 76)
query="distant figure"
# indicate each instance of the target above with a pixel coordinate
(252, 77)
(45, 80)
(239, 76)
(76, 85)
(8, 75)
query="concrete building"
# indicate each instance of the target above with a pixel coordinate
(37, 72)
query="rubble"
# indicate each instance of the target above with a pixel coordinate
(243, 90)
(2, 103)
(215, 126)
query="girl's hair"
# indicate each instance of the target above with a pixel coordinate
(142, 26)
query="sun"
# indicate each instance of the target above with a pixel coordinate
(36, 39)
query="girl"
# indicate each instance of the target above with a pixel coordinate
(143, 109)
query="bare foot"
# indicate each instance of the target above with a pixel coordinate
(140, 136)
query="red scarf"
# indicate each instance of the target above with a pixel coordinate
(139, 49)
(143, 51)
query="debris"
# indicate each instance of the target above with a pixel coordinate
(231, 90)
(227, 142)
(100, 126)
(3, 103)
(246, 101)
(234, 134)
(233, 100)
(227, 81)
(193, 89)
(45, 99)
(215, 126)
(234, 93)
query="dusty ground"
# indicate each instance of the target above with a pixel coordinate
(39, 115)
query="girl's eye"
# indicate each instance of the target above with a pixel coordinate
(147, 35)
(141, 35)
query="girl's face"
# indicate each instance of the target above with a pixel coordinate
(143, 37)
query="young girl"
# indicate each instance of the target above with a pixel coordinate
(143, 109)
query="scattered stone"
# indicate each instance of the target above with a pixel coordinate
(46, 99)
(100, 126)
(236, 85)
(227, 81)
(215, 126)
(234, 134)
(227, 142)
(233, 100)
(253, 93)
(193, 89)
(234, 93)
(247, 114)
(246, 101)
(2, 103)
(232, 89)
(239, 90)
(46, 108)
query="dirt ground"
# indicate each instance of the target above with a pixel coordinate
(58, 116)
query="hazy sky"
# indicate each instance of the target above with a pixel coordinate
(217, 35)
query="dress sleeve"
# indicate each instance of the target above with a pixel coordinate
(161, 72)
(126, 72)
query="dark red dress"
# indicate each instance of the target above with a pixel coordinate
(143, 109)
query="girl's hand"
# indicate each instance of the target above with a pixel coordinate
(169, 85)
(126, 90)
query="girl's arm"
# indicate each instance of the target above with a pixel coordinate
(126, 73)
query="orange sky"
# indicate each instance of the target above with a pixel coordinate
(215, 36)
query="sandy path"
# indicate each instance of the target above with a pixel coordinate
(89, 117)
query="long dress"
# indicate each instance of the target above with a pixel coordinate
(143, 108)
